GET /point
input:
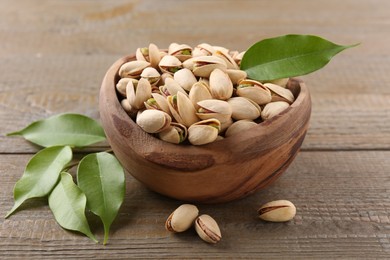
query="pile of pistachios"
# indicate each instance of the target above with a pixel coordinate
(196, 94)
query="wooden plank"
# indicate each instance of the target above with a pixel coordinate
(343, 209)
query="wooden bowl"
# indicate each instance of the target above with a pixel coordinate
(217, 172)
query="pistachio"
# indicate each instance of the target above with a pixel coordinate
(199, 92)
(151, 74)
(137, 96)
(230, 63)
(221, 87)
(121, 86)
(214, 108)
(204, 132)
(189, 64)
(171, 88)
(175, 134)
(279, 93)
(277, 211)
(182, 109)
(170, 64)
(151, 55)
(254, 90)
(272, 109)
(163, 77)
(153, 121)
(181, 51)
(158, 102)
(204, 65)
(208, 229)
(203, 49)
(133, 69)
(281, 82)
(185, 78)
(236, 75)
(237, 58)
(128, 109)
(244, 108)
(182, 218)
(239, 126)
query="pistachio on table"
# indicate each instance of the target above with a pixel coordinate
(277, 211)
(182, 218)
(208, 229)
(194, 88)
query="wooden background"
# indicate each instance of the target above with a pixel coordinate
(53, 56)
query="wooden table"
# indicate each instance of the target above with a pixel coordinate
(53, 56)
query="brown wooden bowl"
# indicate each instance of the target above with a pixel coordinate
(217, 172)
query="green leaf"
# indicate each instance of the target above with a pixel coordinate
(41, 174)
(67, 202)
(288, 56)
(102, 179)
(65, 129)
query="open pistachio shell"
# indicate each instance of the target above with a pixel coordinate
(254, 90)
(236, 75)
(189, 64)
(182, 109)
(133, 69)
(280, 82)
(239, 127)
(226, 124)
(203, 49)
(121, 86)
(163, 77)
(208, 229)
(214, 108)
(171, 87)
(159, 102)
(244, 108)
(137, 96)
(170, 64)
(237, 58)
(204, 132)
(221, 87)
(185, 78)
(151, 74)
(199, 92)
(151, 55)
(181, 51)
(230, 63)
(153, 121)
(175, 134)
(204, 65)
(279, 93)
(272, 109)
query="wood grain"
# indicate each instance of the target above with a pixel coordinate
(54, 54)
(337, 216)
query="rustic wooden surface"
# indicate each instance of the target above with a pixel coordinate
(53, 55)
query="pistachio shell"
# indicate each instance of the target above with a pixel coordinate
(189, 64)
(204, 65)
(272, 109)
(182, 218)
(239, 126)
(221, 87)
(133, 69)
(238, 58)
(154, 55)
(142, 54)
(281, 82)
(204, 132)
(181, 51)
(121, 86)
(175, 134)
(170, 64)
(158, 102)
(128, 109)
(236, 75)
(153, 121)
(137, 96)
(182, 109)
(214, 108)
(226, 124)
(151, 74)
(254, 90)
(207, 229)
(171, 87)
(203, 49)
(185, 78)
(199, 92)
(230, 63)
(244, 108)
(277, 211)
(279, 93)
(163, 77)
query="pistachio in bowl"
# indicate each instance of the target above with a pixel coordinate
(189, 124)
